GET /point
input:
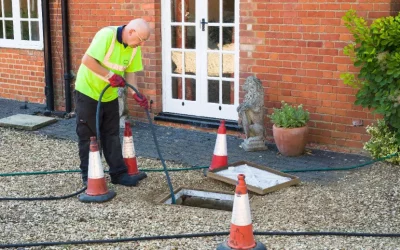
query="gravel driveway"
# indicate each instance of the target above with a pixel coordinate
(365, 200)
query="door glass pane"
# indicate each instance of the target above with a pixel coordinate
(7, 8)
(213, 11)
(190, 63)
(35, 31)
(213, 91)
(25, 30)
(213, 37)
(227, 92)
(228, 65)
(23, 8)
(190, 89)
(176, 13)
(228, 11)
(176, 37)
(9, 30)
(228, 36)
(213, 64)
(34, 8)
(190, 37)
(176, 87)
(176, 58)
(1, 29)
(190, 11)
(1, 8)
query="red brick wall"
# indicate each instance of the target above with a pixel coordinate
(22, 75)
(296, 48)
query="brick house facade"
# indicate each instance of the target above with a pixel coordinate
(294, 47)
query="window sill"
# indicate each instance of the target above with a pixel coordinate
(15, 45)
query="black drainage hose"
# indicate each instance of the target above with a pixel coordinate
(194, 235)
(50, 198)
(152, 130)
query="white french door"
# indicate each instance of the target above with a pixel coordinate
(200, 43)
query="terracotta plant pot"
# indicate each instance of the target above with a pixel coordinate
(290, 141)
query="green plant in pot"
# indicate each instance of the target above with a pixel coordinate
(290, 129)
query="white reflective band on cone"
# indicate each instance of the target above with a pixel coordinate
(220, 146)
(241, 215)
(129, 149)
(95, 167)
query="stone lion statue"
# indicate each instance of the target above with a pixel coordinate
(251, 115)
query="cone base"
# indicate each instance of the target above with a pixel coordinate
(224, 246)
(98, 198)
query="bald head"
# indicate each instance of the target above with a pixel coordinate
(136, 32)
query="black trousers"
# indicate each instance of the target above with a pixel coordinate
(86, 109)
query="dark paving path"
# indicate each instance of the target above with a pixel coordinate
(196, 148)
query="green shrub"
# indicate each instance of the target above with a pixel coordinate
(383, 142)
(376, 51)
(290, 117)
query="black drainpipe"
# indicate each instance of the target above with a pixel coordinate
(48, 68)
(67, 63)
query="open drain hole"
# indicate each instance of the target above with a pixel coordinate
(202, 199)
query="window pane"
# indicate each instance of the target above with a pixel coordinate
(190, 89)
(190, 11)
(23, 8)
(1, 29)
(227, 92)
(213, 91)
(213, 64)
(34, 9)
(176, 62)
(228, 36)
(9, 30)
(213, 11)
(1, 8)
(176, 10)
(25, 30)
(229, 11)
(35, 31)
(176, 87)
(190, 37)
(213, 37)
(190, 63)
(176, 37)
(7, 8)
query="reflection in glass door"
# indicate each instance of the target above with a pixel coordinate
(200, 57)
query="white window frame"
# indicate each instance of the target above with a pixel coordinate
(17, 42)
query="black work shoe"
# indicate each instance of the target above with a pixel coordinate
(125, 179)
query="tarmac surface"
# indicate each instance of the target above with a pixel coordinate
(195, 148)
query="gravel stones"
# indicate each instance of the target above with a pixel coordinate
(365, 200)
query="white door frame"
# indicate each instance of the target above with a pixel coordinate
(199, 107)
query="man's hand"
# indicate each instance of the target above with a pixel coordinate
(142, 101)
(117, 81)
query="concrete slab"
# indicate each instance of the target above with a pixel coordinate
(26, 122)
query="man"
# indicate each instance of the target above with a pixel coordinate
(114, 53)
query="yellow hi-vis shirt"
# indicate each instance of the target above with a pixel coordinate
(112, 55)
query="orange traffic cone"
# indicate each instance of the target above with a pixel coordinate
(129, 154)
(220, 157)
(241, 233)
(97, 190)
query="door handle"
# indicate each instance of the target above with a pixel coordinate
(203, 23)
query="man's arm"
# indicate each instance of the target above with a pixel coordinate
(95, 66)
